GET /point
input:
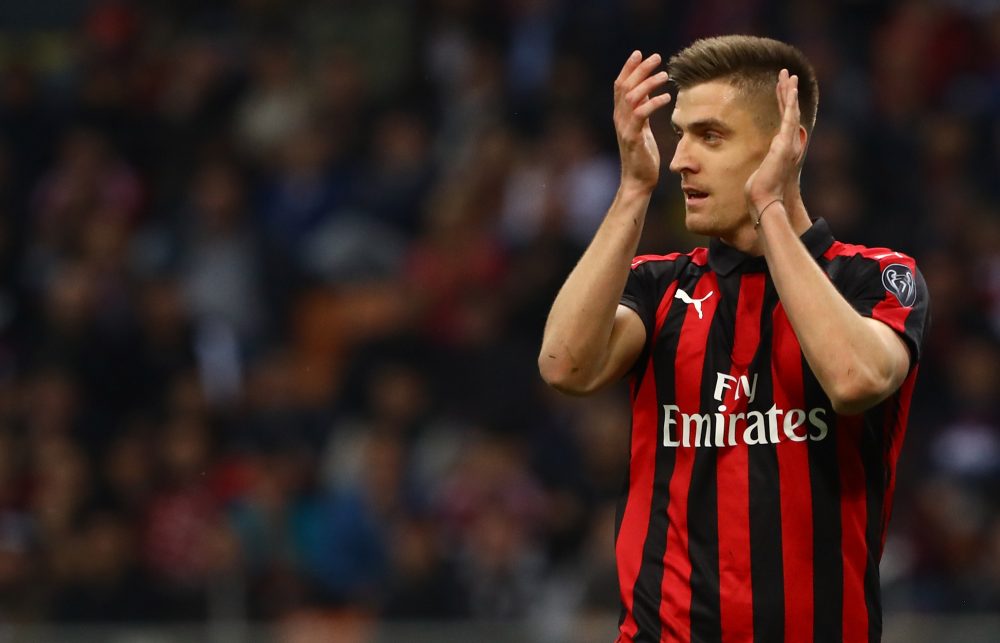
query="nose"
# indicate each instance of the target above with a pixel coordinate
(682, 160)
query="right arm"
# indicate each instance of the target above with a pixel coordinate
(590, 340)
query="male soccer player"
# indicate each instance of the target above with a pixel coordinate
(771, 372)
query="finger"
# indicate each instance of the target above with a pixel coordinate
(790, 121)
(789, 125)
(630, 64)
(779, 92)
(796, 118)
(646, 87)
(791, 110)
(646, 109)
(641, 71)
(633, 123)
(784, 99)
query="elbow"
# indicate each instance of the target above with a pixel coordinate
(563, 375)
(856, 391)
(846, 405)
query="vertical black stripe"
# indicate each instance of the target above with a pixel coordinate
(703, 502)
(648, 590)
(765, 498)
(894, 432)
(703, 546)
(824, 479)
(828, 558)
(872, 456)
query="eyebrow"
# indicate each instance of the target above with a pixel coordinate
(704, 124)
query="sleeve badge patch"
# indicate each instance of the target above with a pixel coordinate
(898, 279)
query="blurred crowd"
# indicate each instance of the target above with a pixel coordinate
(273, 277)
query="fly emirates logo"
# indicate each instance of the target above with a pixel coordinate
(722, 429)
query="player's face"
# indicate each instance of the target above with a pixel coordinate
(719, 146)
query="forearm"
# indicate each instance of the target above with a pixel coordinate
(848, 355)
(575, 344)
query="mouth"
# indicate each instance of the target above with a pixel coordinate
(693, 196)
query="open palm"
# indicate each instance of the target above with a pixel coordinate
(633, 106)
(780, 165)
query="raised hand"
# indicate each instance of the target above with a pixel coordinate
(780, 166)
(633, 106)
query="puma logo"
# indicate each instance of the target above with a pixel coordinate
(686, 298)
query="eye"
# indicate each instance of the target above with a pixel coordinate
(712, 137)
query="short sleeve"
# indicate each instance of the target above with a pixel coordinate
(639, 294)
(892, 290)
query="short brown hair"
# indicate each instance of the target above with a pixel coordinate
(751, 65)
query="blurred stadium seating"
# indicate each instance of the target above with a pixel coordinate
(273, 275)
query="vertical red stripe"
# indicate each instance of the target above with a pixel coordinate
(675, 608)
(642, 465)
(635, 521)
(736, 595)
(795, 487)
(661, 315)
(896, 432)
(853, 519)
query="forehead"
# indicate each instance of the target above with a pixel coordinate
(714, 100)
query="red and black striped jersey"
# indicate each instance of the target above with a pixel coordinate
(752, 511)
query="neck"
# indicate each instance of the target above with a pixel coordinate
(747, 239)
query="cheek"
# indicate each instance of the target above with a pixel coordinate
(739, 169)
(736, 171)
(745, 165)
(736, 175)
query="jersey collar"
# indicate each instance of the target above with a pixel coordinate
(725, 259)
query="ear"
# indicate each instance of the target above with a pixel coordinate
(804, 145)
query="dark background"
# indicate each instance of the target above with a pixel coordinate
(273, 277)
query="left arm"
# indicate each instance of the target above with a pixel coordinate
(858, 361)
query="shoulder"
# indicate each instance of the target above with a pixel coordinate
(848, 260)
(883, 256)
(670, 263)
(651, 276)
(876, 278)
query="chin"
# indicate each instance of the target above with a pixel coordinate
(710, 224)
(701, 223)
